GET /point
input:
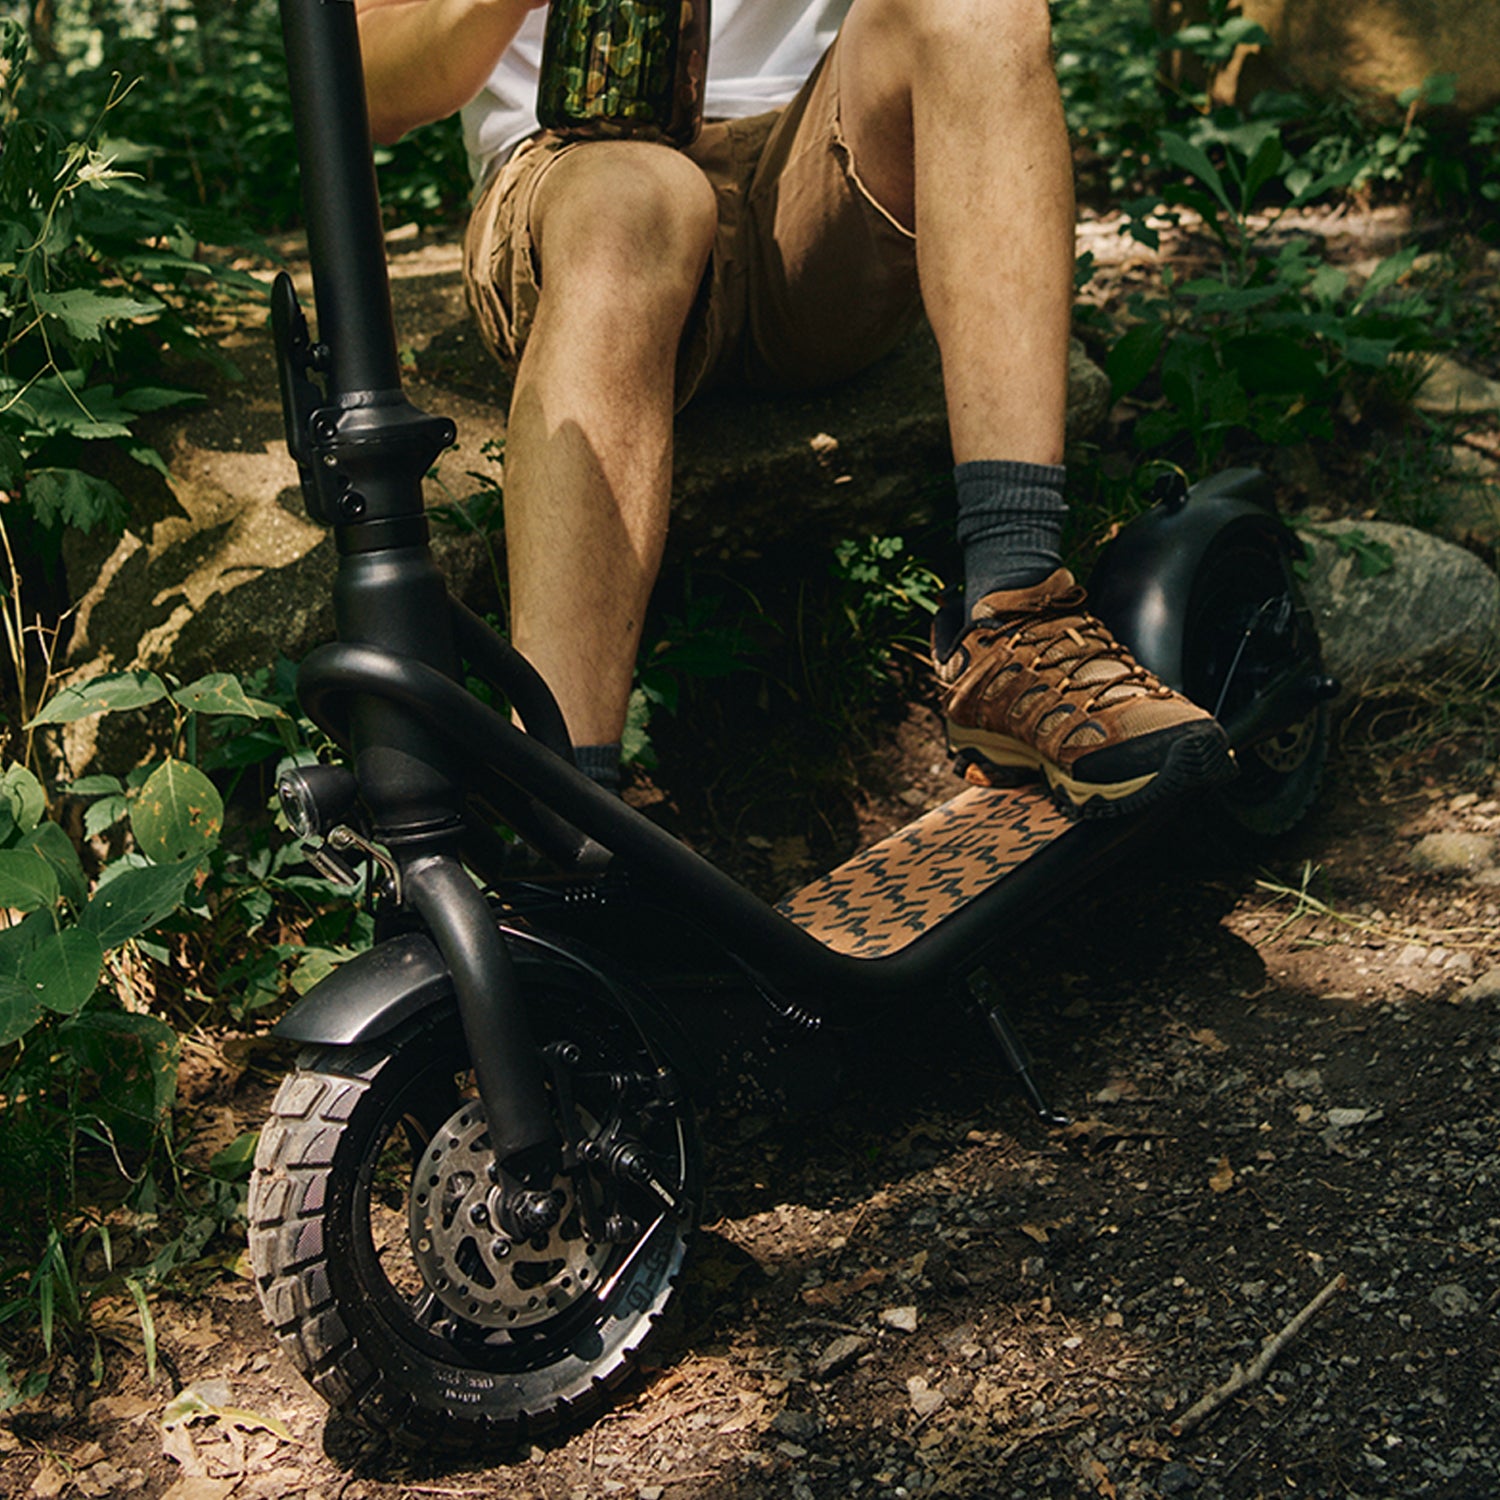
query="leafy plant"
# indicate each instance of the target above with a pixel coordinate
(99, 278)
(214, 130)
(1256, 344)
(95, 967)
(696, 644)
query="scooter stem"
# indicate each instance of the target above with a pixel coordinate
(341, 205)
(363, 450)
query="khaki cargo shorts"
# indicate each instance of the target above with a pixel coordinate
(809, 279)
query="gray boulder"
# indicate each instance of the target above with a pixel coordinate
(1435, 609)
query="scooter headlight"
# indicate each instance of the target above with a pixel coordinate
(316, 799)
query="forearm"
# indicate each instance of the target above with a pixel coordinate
(425, 59)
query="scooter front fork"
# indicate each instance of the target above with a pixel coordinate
(507, 1067)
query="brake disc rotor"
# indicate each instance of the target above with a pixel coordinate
(470, 1265)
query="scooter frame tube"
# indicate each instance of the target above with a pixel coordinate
(765, 943)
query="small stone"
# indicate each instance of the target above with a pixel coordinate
(839, 1355)
(1486, 987)
(1176, 1479)
(1453, 1301)
(924, 1399)
(789, 1422)
(1451, 389)
(1305, 1080)
(902, 1319)
(1344, 1119)
(1453, 853)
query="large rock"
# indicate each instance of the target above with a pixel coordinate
(1374, 48)
(221, 570)
(1435, 609)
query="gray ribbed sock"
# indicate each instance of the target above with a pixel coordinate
(1010, 518)
(600, 763)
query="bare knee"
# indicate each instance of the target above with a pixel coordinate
(625, 223)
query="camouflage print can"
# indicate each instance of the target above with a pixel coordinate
(617, 69)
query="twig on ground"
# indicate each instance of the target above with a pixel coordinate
(1244, 1375)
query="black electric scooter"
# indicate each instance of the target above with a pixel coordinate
(473, 1197)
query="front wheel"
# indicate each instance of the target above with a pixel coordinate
(375, 1250)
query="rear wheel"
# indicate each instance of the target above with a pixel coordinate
(1247, 626)
(376, 1250)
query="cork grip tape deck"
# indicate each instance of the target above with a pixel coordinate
(898, 889)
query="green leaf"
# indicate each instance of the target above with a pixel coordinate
(104, 814)
(1193, 159)
(20, 1009)
(69, 497)
(1134, 357)
(133, 1063)
(101, 695)
(54, 846)
(22, 794)
(134, 901)
(85, 313)
(1264, 165)
(221, 693)
(27, 881)
(12, 462)
(178, 814)
(234, 1162)
(1388, 272)
(96, 786)
(64, 969)
(1329, 182)
(145, 398)
(1272, 364)
(17, 941)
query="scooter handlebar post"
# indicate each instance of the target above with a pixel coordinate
(340, 200)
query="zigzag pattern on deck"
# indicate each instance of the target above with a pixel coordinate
(893, 892)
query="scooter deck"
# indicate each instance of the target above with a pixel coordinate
(892, 893)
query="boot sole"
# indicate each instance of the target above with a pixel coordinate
(1195, 762)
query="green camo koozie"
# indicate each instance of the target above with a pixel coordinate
(616, 69)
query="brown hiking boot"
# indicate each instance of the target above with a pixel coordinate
(1036, 682)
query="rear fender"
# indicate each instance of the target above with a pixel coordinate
(1142, 585)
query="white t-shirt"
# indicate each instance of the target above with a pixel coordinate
(760, 53)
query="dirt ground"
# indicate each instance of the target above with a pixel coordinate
(1282, 1071)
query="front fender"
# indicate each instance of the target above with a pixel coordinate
(370, 994)
(377, 990)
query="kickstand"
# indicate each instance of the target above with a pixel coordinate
(985, 994)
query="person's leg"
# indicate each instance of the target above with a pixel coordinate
(952, 115)
(954, 118)
(946, 119)
(621, 232)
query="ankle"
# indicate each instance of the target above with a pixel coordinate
(600, 763)
(1010, 519)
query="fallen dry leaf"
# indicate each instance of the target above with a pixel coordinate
(831, 1293)
(1223, 1176)
(1209, 1039)
(200, 1487)
(52, 1480)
